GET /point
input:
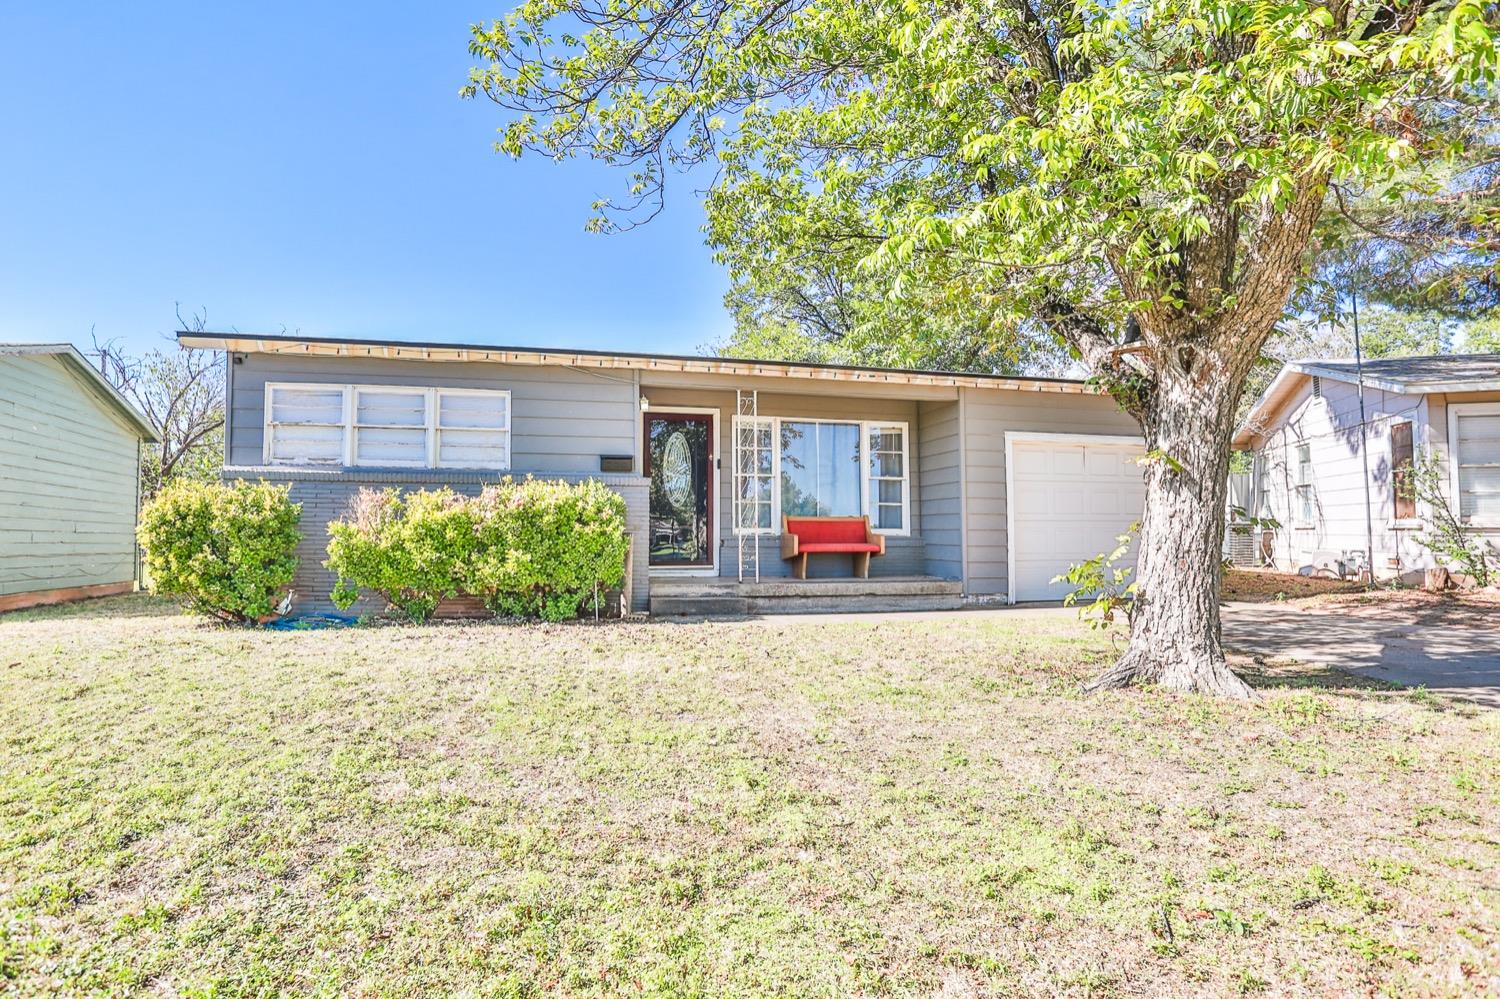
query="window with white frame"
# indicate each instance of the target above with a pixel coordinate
(1304, 484)
(755, 473)
(1476, 458)
(394, 426)
(305, 424)
(811, 467)
(819, 467)
(390, 427)
(888, 485)
(1263, 484)
(473, 429)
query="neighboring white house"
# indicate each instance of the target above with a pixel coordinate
(1310, 456)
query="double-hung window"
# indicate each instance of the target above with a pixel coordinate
(387, 426)
(1262, 505)
(789, 466)
(888, 483)
(1474, 429)
(755, 473)
(1304, 485)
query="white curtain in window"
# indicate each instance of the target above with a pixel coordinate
(820, 469)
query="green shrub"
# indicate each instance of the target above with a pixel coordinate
(1452, 542)
(547, 549)
(409, 548)
(227, 550)
(531, 549)
(1104, 583)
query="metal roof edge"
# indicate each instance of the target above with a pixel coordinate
(349, 346)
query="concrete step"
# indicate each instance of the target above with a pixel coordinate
(698, 605)
(893, 587)
(867, 604)
(709, 596)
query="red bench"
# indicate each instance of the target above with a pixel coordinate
(804, 536)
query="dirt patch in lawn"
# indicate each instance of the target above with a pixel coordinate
(853, 808)
(1265, 585)
(1464, 608)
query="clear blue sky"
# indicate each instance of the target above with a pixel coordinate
(307, 165)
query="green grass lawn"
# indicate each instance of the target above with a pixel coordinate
(736, 808)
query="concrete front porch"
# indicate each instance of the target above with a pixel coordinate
(696, 596)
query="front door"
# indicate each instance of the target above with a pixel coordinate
(679, 460)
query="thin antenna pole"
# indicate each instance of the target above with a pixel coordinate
(1364, 448)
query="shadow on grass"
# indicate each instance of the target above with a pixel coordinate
(131, 605)
(1300, 676)
(1291, 675)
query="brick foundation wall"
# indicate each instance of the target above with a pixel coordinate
(325, 493)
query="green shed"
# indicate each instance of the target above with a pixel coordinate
(69, 478)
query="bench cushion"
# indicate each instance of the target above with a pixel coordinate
(838, 546)
(850, 530)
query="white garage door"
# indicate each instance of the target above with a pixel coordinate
(1069, 502)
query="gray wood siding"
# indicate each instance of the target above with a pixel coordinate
(941, 487)
(562, 419)
(904, 555)
(987, 415)
(68, 481)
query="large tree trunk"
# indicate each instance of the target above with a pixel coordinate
(1174, 639)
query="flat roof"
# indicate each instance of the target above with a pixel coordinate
(281, 343)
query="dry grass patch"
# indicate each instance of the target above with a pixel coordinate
(879, 808)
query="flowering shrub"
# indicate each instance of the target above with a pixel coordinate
(227, 550)
(532, 548)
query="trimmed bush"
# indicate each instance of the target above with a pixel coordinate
(547, 549)
(409, 548)
(528, 549)
(227, 550)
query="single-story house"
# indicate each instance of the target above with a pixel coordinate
(1313, 469)
(69, 478)
(982, 487)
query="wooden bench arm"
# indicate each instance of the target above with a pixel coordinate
(871, 538)
(788, 541)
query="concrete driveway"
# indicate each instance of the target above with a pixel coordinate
(1461, 660)
(1379, 643)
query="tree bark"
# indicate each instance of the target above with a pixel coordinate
(1174, 639)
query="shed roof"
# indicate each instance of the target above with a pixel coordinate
(103, 390)
(266, 343)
